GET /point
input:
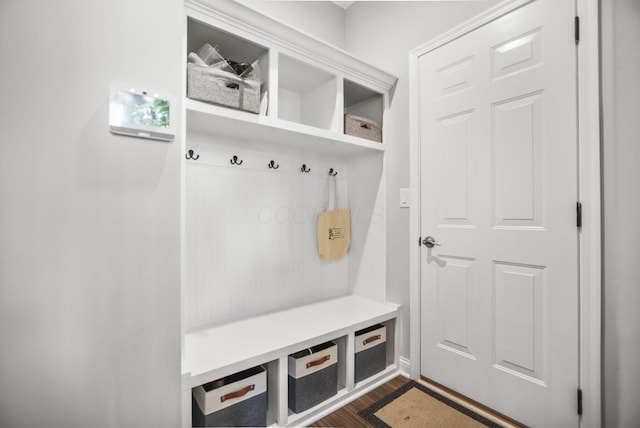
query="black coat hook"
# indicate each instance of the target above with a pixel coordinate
(305, 169)
(234, 160)
(333, 174)
(272, 165)
(190, 155)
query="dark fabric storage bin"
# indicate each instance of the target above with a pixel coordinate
(238, 400)
(251, 412)
(371, 351)
(313, 376)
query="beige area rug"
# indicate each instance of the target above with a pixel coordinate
(416, 406)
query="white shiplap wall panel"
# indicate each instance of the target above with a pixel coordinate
(251, 239)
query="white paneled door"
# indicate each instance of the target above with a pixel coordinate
(499, 187)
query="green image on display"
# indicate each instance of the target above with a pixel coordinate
(151, 114)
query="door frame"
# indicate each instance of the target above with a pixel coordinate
(589, 179)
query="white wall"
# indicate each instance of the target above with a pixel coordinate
(383, 33)
(89, 221)
(321, 19)
(620, 22)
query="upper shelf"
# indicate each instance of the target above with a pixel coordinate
(210, 118)
(246, 23)
(307, 84)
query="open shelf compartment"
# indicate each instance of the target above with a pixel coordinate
(341, 380)
(231, 47)
(363, 102)
(306, 94)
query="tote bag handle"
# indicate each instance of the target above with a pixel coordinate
(336, 196)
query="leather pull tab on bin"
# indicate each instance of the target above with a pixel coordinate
(371, 339)
(319, 361)
(237, 394)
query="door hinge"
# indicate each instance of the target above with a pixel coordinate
(577, 29)
(579, 402)
(579, 214)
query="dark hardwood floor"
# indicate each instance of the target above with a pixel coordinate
(347, 416)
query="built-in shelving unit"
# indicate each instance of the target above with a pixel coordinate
(253, 287)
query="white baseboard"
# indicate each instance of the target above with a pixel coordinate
(405, 367)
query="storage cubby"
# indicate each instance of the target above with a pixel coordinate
(306, 94)
(237, 399)
(387, 359)
(312, 376)
(363, 102)
(230, 46)
(254, 289)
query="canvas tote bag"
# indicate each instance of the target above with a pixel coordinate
(334, 228)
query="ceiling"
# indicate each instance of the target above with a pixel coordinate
(344, 4)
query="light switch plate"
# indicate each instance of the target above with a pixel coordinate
(405, 196)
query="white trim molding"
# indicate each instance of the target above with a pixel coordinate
(414, 218)
(588, 58)
(405, 367)
(590, 196)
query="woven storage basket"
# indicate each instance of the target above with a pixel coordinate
(218, 86)
(362, 127)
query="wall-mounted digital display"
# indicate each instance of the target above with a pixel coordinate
(141, 113)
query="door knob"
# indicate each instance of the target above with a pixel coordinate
(430, 242)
